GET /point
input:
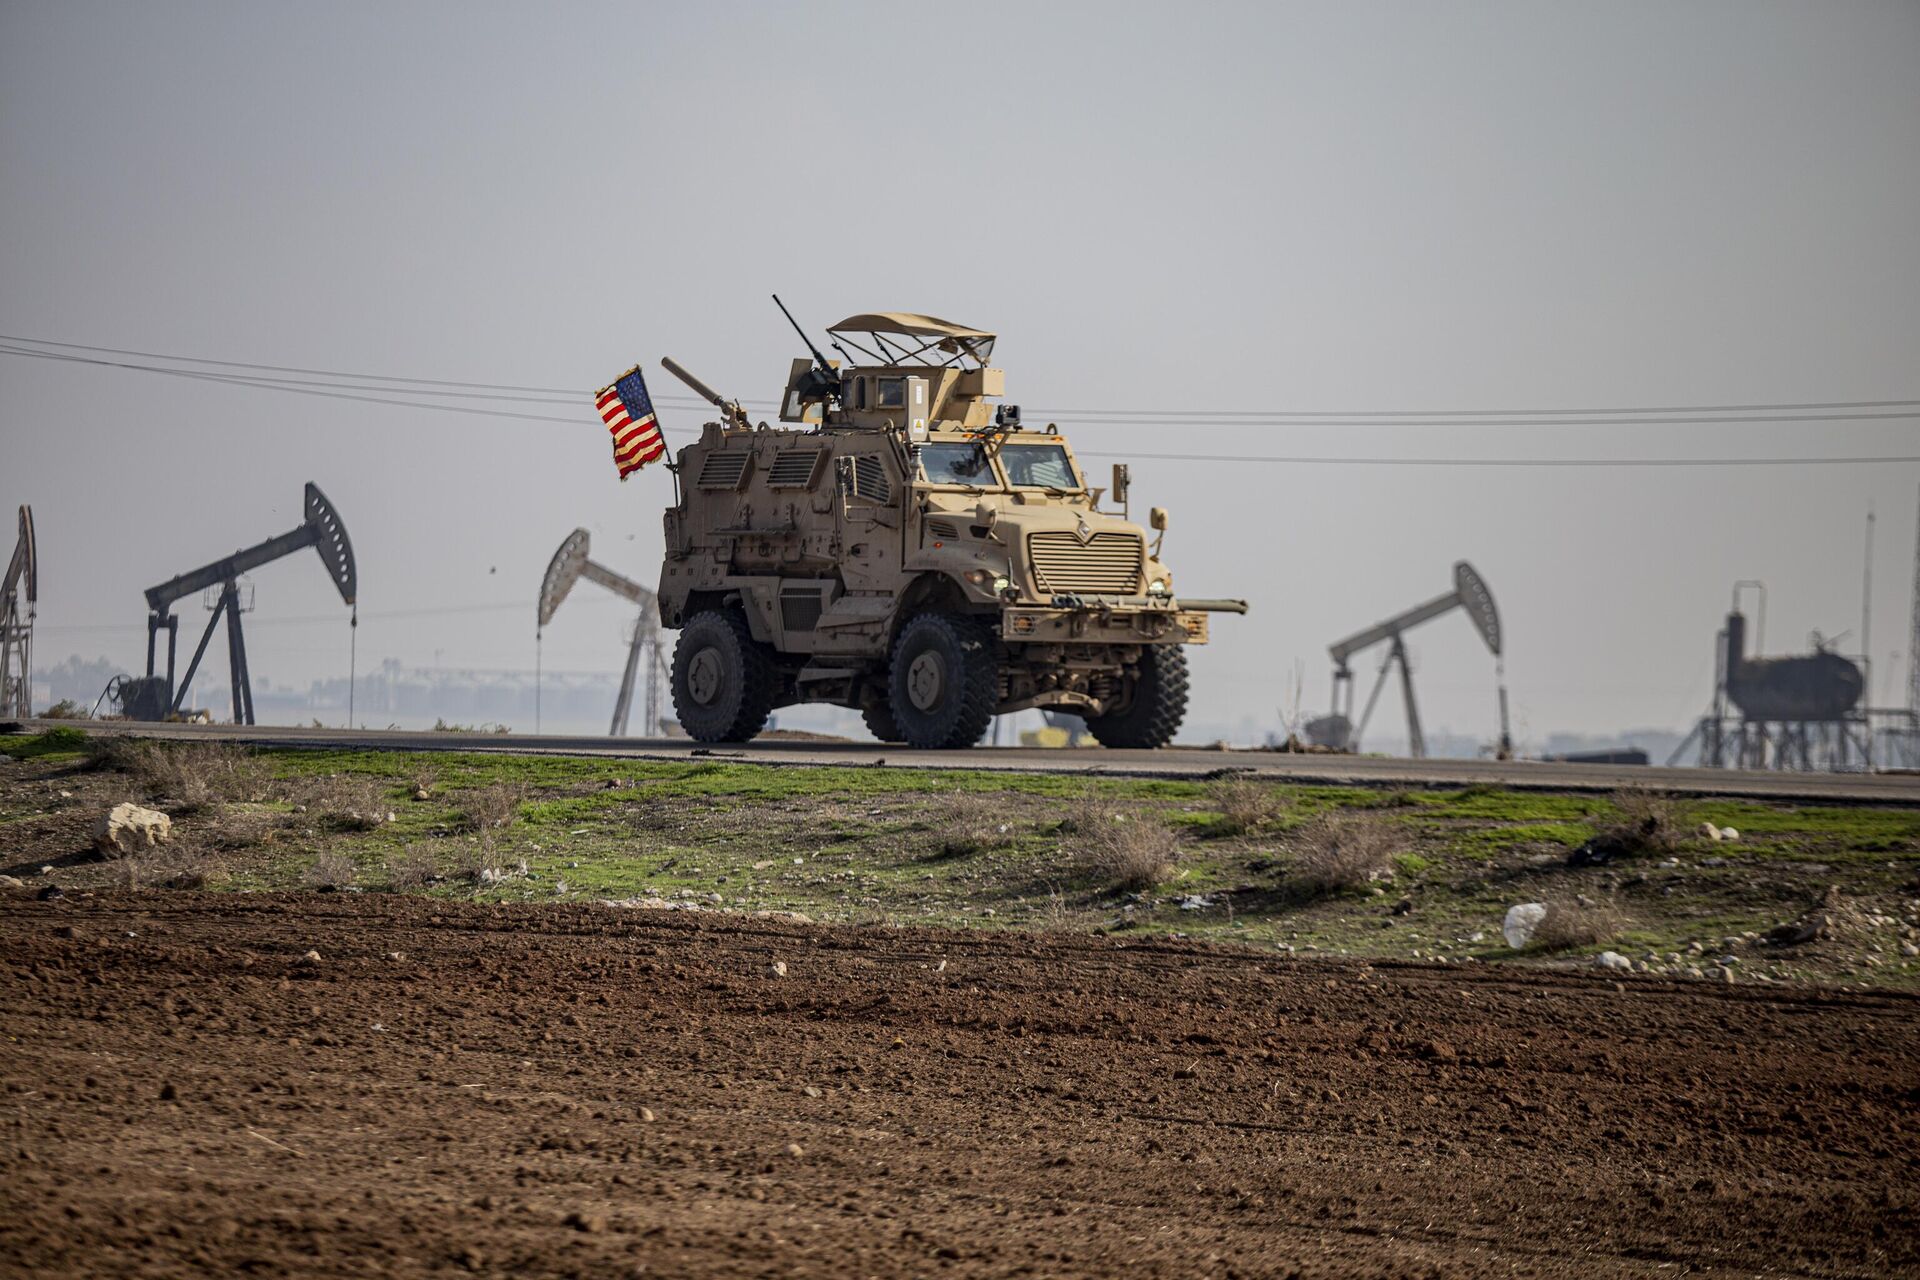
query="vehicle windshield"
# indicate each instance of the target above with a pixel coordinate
(965, 464)
(1038, 466)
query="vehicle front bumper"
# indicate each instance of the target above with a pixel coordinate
(1093, 619)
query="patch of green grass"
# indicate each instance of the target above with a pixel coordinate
(54, 742)
(1489, 842)
(890, 845)
(1496, 805)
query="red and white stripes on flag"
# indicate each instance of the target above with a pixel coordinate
(628, 412)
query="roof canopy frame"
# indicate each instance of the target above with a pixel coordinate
(940, 343)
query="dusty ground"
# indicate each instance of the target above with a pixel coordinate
(582, 1090)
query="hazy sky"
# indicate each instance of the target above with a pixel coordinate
(1317, 207)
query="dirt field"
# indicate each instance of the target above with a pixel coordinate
(587, 1091)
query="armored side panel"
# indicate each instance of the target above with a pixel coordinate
(891, 491)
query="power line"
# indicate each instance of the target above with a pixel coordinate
(1504, 462)
(1182, 418)
(258, 385)
(1107, 416)
(290, 387)
(282, 368)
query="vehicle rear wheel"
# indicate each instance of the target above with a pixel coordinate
(724, 681)
(944, 681)
(1159, 702)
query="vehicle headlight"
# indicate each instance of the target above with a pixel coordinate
(1158, 587)
(1000, 584)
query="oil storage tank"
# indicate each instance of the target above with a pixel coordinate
(1811, 686)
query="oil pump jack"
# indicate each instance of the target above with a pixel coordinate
(571, 563)
(1469, 593)
(155, 697)
(20, 586)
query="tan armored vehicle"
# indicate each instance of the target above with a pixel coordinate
(902, 546)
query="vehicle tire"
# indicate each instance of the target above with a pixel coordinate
(724, 681)
(880, 723)
(1159, 703)
(944, 682)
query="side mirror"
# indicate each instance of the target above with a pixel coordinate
(1121, 476)
(1158, 518)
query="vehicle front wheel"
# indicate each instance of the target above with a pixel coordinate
(944, 682)
(1157, 705)
(879, 721)
(724, 681)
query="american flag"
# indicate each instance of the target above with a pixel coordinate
(628, 413)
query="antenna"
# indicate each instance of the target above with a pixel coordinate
(1913, 635)
(1866, 621)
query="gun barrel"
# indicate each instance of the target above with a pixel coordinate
(714, 397)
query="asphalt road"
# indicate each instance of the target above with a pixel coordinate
(1175, 761)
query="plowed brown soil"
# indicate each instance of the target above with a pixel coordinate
(589, 1092)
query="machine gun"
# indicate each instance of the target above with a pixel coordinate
(822, 382)
(568, 566)
(1469, 593)
(22, 583)
(155, 697)
(736, 416)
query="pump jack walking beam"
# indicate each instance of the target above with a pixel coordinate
(321, 530)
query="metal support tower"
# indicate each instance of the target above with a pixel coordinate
(570, 564)
(21, 586)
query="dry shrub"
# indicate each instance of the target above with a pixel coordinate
(491, 807)
(965, 824)
(1339, 853)
(330, 869)
(168, 866)
(190, 776)
(1245, 805)
(471, 863)
(1649, 824)
(347, 803)
(115, 753)
(1129, 848)
(412, 869)
(1569, 926)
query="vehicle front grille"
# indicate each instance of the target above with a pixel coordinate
(1109, 564)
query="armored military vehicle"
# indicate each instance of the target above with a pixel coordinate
(904, 546)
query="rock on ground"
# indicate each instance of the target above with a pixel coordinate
(127, 828)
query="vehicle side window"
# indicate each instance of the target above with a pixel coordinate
(965, 464)
(1038, 466)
